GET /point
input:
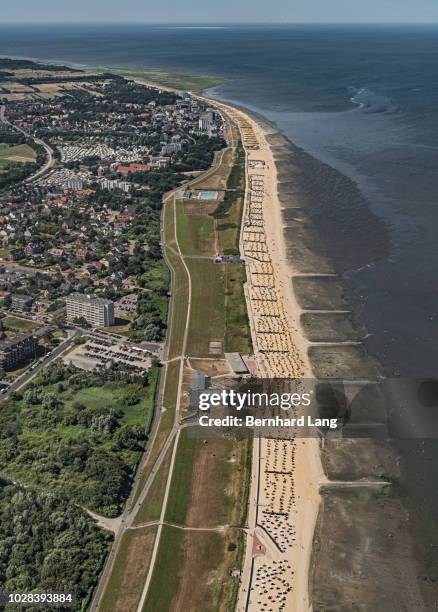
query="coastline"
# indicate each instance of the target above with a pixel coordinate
(302, 457)
(346, 472)
(282, 216)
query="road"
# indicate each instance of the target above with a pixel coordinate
(50, 153)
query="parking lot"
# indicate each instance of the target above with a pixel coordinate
(98, 352)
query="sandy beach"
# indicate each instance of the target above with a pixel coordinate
(298, 551)
(287, 474)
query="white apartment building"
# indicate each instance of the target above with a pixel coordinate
(95, 310)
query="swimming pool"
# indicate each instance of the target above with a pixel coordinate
(207, 195)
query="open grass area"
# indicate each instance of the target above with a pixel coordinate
(19, 325)
(237, 329)
(150, 509)
(18, 153)
(129, 572)
(207, 319)
(218, 311)
(209, 480)
(192, 571)
(165, 425)
(196, 231)
(170, 80)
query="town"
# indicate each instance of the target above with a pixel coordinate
(80, 218)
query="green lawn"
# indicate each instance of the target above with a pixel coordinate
(207, 318)
(192, 569)
(196, 232)
(21, 325)
(17, 153)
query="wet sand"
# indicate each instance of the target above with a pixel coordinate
(364, 556)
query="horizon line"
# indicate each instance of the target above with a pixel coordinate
(221, 24)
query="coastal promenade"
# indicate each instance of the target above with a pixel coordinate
(287, 473)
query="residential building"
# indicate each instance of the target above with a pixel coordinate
(75, 184)
(13, 351)
(21, 301)
(95, 310)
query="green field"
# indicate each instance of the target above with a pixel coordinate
(170, 80)
(19, 153)
(196, 232)
(129, 572)
(192, 571)
(207, 316)
(20, 325)
(207, 490)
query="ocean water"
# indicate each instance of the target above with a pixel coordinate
(364, 100)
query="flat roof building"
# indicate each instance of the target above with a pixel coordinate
(13, 351)
(236, 363)
(97, 311)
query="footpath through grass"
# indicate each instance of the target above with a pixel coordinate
(129, 572)
(209, 480)
(165, 425)
(192, 571)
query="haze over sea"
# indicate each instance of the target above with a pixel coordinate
(364, 99)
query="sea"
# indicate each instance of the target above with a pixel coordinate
(360, 100)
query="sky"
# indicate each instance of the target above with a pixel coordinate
(220, 11)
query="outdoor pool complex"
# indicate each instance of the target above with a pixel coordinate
(207, 195)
